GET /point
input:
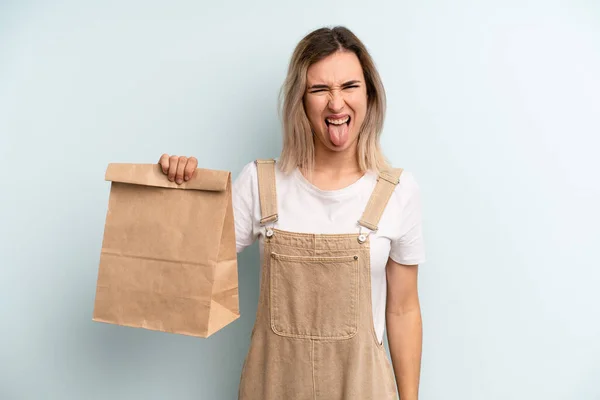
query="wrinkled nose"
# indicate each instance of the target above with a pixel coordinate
(336, 102)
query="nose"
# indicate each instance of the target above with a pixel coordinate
(336, 101)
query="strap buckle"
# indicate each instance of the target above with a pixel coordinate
(269, 229)
(361, 236)
(271, 218)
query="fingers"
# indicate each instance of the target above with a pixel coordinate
(190, 167)
(173, 160)
(180, 168)
(164, 163)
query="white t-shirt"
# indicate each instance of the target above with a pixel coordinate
(304, 208)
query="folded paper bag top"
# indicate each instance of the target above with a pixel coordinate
(168, 259)
(152, 175)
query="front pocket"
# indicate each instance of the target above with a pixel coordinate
(314, 297)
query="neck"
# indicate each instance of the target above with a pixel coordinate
(334, 169)
(337, 162)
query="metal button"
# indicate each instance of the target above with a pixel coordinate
(362, 238)
(269, 233)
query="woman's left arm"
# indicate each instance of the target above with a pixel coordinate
(404, 327)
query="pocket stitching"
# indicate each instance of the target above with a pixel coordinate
(354, 307)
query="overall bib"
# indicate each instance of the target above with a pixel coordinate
(314, 338)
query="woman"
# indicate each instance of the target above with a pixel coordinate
(330, 284)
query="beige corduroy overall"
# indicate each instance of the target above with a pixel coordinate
(314, 338)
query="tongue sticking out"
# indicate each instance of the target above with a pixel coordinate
(338, 134)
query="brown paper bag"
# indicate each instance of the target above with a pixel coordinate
(168, 259)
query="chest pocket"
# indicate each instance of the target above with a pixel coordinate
(314, 297)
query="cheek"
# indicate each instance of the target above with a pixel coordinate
(314, 109)
(359, 103)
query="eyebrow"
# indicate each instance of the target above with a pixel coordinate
(321, 86)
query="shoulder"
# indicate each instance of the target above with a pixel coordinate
(246, 179)
(407, 183)
(248, 176)
(407, 190)
(247, 171)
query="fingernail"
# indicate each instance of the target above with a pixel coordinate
(187, 177)
(179, 181)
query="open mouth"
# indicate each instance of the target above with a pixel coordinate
(338, 121)
(337, 128)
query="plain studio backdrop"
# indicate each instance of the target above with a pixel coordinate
(493, 105)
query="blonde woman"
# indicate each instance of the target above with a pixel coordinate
(340, 238)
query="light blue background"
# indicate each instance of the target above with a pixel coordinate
(493, 105)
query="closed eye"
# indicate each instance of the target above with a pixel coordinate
(345, 87)
(318, 88)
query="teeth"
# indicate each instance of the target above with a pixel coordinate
(338, 121)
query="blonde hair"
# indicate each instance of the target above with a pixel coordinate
(298, 145)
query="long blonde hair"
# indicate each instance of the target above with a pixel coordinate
(298, 142)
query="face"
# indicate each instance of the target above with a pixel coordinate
(336, 100)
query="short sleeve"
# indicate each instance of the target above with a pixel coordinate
(408, 247)
(244, 206)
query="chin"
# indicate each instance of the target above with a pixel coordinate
(340, 149)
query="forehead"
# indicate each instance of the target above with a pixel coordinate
(337, 68)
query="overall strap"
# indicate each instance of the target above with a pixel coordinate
(266, 190)
(386, 183)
